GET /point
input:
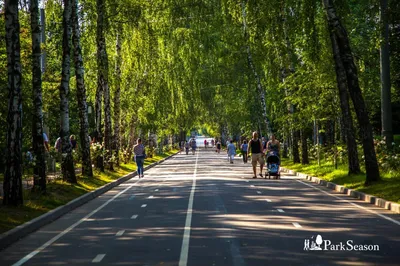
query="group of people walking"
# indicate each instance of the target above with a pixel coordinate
(187, 145)
(257, 148)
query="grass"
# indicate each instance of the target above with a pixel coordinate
(59, 193)
(387, 188)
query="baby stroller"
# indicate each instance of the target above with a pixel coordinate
(273, 164)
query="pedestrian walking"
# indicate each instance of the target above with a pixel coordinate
(212, 143)
(255, 148)
(231, 150)
(243, 150)
(187, 146)
(264, 145)
(140, 155)
(193, 145)
(46, 142)
(218, 147)
(57, 145)
(273, 146)
(205, 144)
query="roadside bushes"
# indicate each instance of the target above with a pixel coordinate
(388, 160)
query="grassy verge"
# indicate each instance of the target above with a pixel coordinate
(388, 188)
(59, 193)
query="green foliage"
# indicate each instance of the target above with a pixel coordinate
(185, 66)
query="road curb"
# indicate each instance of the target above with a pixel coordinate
(388, 205)
(13, 235)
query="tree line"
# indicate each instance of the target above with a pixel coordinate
(303, 70)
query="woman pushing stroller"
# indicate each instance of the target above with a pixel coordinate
(273, 145)
(273, 161)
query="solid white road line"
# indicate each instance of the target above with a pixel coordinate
(297, 225)
(54, 239)
(186, 235)
(351, 203)
(134, 216)
(98, 258)
(144, 206)
(120, 233)
(280, 210)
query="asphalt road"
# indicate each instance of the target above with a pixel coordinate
(201, 210)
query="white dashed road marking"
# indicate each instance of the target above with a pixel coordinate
(268, 200)
(297, 225)
(151, 197)
(120, 233)
(280, 210)
(258, 192)
(144, 206)
(98, 258)
(156, 190)
(134, 216)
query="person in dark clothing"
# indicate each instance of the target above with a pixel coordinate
(243, 150)
(74, 143)
(256, 150)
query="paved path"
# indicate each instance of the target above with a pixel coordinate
(201, 210)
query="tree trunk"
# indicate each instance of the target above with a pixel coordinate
(315, 133)
(347, 120)
(131, 137)
(318, 140)
(304, 147)
(81, 93)
(371, 164)
(330, 133)
(342, 128)
(67, 164)
(117, 95)
(39, 175)
(102, 78)
(386, 104)
(285, 147)
(295, 146)
(122, 134)
(260, 88)
(12, 185)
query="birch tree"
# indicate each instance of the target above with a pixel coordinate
(39, 180)
(261, 91)
(117, 93)
(340, 34)
(102, 78)
(12, 185)
(354, 165)
(81, 93)
(386, 104)
(67, 164)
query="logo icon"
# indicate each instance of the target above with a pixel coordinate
(315, 245)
